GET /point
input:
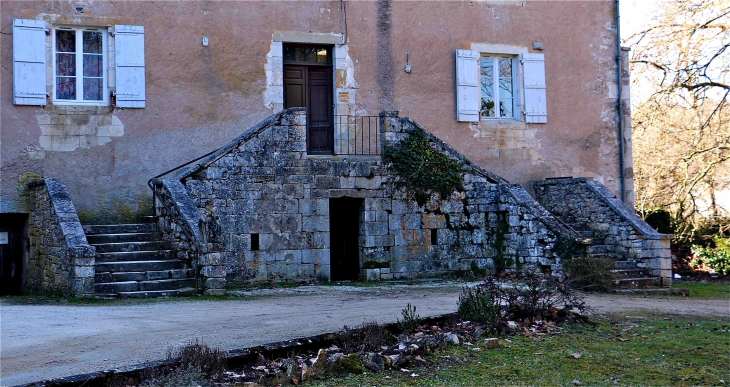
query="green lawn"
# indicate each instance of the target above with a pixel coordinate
(671, 352)
(705, 289)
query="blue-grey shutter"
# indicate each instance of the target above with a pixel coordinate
(535, 88)
(129, 66)
(467, 85)
(29, 62)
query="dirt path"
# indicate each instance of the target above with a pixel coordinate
(49, 341)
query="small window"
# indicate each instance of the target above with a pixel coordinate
(254, 242)
(496, 76)
(434, 236)
(309, 54)
(79, 66)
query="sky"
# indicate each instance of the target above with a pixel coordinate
(636, 15)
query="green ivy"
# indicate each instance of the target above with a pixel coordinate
(421, 169)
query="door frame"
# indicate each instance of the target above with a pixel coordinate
(306, 66)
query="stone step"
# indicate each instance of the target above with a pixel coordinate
(158, 293)
(120, 228)
(131, 246)
(637, 283)
(131, 266)
(158, 255)
(595, 249)
(630, 273)
(623, 265)
(144, 275)
(143, 286)
(96, 239)
(147, 219)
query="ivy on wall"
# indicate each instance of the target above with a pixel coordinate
(421, 169)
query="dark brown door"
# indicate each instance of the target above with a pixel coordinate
(308, 83)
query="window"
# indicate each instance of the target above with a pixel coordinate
(500, 86)
(497, 87)
(80, 63)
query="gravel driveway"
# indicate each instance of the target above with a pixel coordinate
(40, 342)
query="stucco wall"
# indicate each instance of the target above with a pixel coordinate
(199, 97)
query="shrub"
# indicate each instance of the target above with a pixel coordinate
(411, 319)
(478, 304)
(717, 258)
(368, 337)
(588, 273)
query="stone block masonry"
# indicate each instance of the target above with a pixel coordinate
(265, 206)
(617, 231)
(61, 260)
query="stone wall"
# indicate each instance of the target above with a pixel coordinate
(265, 205)
(182, 224)
(61, 259)
(588, 206)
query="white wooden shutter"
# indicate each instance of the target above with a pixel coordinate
(467, 85)
(535, 90)
(29, 62)
(129, 66)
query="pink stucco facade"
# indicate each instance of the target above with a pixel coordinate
(199, 97)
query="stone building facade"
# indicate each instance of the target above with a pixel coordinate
(159, 83)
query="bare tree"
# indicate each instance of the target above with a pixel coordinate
(682, 127)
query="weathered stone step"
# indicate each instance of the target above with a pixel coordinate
(120, 228)
(143, 286)
(131, 246)
(143, 275)
(637, 283)
(158, 293)
(158, 255)
(156, 265)
(96, 239)
(596, 249)
(623, 265)
(629, 273)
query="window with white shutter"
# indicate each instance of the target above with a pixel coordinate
(467, 85)
(129, 66)
(493, 85)
(29, 62)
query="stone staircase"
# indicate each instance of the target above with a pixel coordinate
(627, 274)
(132, 262)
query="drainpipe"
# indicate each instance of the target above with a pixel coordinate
(619, 82)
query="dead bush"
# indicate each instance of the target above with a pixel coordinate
(368, 337)
(588, 273)
(534, 297)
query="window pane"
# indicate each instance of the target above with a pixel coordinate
(505, 68)
(92, 42)
(65, 41)
(505, 107)
(93, 65)
(505, 88)
(93, 89)
(66, 64)
(65, 88)
(307, 54)
(486, 77)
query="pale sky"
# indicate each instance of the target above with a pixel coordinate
(636, 15)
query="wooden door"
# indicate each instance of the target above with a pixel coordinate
(320, 133)
(308, 83)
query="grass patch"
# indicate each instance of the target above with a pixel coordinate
(658, 352)
(714, 290)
